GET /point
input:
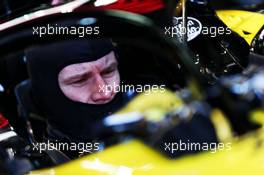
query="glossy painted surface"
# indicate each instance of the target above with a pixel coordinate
(135, 158)
(246, 157)
(246, 24)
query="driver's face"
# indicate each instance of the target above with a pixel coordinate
(83, 82)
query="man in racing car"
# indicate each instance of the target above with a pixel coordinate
(68, 80)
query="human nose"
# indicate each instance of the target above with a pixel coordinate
(101, 91)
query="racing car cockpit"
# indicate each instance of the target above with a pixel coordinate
(109, 87)
(125, 62)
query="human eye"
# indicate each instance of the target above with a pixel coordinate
(110, 71)
(79, 81)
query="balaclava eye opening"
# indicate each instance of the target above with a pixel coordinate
(78, 120)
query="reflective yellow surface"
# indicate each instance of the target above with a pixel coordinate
(246, 24)
(153, 105)
(135, 158)
(222, 126)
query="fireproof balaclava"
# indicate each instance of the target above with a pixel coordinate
(78, 120)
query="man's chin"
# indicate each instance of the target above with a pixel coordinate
(101, 102)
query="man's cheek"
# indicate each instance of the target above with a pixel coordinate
(116, 79)
(69, 92)
(115, 84)
(72, 94)
(79, 94)
(86, 93)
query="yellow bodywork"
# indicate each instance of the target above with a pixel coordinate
(244, 156)
(135, 158)
(246, 24)
(153, 105)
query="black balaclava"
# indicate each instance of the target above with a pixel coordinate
(77, 120)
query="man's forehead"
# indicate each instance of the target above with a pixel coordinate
(102, 62)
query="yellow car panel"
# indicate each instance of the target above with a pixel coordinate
(245, 157)
(246, 24)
